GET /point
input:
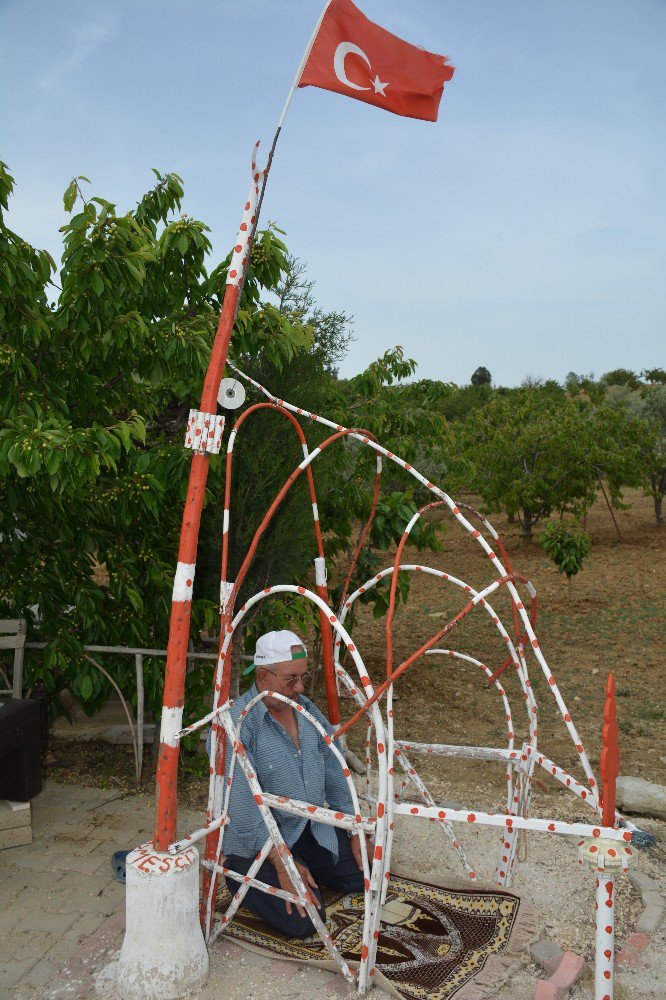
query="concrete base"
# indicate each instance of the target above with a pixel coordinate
(163, 956)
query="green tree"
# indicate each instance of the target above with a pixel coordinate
(654, 375)
(536, 452)
(621, 376)
(331, 331)
(457, 403)
(481, 376)
(530, 455)
(648, 407)
(652, 410)
(567, 547)
(94, 395)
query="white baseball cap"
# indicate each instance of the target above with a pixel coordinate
(275, 647)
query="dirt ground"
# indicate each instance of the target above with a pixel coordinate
(613, 623)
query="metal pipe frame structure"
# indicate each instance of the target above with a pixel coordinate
(374, 706)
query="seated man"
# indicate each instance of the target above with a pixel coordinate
(290, 758)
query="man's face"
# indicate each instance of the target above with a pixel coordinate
(288, 678)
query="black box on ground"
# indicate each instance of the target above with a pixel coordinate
(20, 750)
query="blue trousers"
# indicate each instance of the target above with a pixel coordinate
(342, 874)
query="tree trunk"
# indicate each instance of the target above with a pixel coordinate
(526, 523)
(658, 483)
(610, 509)
(511, 518)
(569, 582)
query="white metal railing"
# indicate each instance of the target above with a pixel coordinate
(12, 636)
(137, 728)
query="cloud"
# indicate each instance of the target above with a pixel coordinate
(86, 40)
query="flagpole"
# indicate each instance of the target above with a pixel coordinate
(299, 71)
(297, 77)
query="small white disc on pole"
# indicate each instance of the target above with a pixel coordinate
(231, 394)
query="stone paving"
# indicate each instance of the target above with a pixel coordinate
(62, 911)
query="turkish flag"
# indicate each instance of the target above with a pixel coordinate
(354, 56)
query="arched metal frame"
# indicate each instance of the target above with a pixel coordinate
(519, 763)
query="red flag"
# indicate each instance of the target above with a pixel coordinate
(354, 56)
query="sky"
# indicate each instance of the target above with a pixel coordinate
(523, 231)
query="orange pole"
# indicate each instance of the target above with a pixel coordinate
(179, 624)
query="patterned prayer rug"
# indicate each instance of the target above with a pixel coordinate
(435, 943)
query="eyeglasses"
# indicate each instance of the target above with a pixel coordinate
(292, 680)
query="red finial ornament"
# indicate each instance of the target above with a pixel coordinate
(610, 755)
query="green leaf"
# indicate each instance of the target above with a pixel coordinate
(69, 196)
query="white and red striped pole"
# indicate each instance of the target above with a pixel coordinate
(203, 444)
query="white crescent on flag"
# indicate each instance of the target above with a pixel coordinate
(348, 48)
(342, 51)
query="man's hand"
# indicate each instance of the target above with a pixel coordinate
(355, 844)
(285, 880)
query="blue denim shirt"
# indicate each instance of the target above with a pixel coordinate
(311, 773)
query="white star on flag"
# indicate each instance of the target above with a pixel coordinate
(380, 88)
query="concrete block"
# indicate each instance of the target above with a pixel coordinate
(641, 882)
(103, 905)
(17, 837)
(636, 795)
(9, 919)
(336, 986)
(283, 971)
(86, 960)
(38, 919)
(650, 919)
(163, 954)
(86, 925)
(547, 955)
(34, 857)
(63, 951)
(84, 864)
(627, 959)
(11, 973)
(83, 844)
(23, 945)
(545, 990)
(10, 889)
(638, 942)
(228, 948)
(41, 974)
(569, 971)
(652, 898)
(14, 814)
(85, 885)
(253, 960)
